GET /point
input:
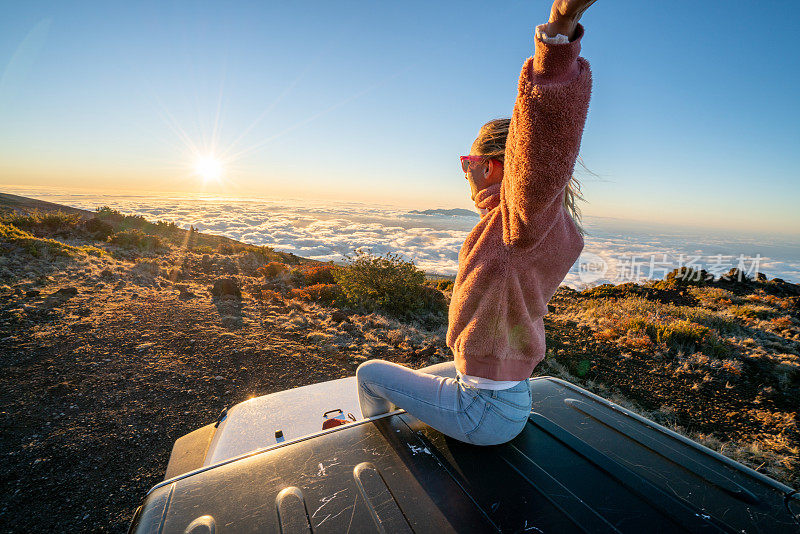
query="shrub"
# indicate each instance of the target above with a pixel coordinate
(10, 233)
(782, 323)
(444, 284)
(59, 221)
(599, 292)
(433, 299)
(253, 255)
(274, 269)
(44, 223)
(99, 228)
(385, 282)
(107, 213)
(676, 334)
(606, 334)
(327, 293)
(135, 238)
(120, 221)
(167, 227)
(313, 274)
(38, 246)
(770, 300)
(299, 294)
(638, 341)
(722, 323)
(714, 297)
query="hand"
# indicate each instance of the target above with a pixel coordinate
(564, 16)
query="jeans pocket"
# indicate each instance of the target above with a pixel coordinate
(496, 429)
(514, 399)
(473, 415)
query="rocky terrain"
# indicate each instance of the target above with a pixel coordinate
(118, 336)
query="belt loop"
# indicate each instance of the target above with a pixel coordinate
(494, 393)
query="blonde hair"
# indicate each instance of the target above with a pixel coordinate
(491, 142)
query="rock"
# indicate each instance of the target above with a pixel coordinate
(185, 294)
(61, 296)
(66, 292)
(83, 312)
(141, 347)
(107, 274)
(761, 277)
(32, 293)
(119, 285)
(227, 287)
(735, 275)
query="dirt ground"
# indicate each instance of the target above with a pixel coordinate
(96, 389)
(104, 367)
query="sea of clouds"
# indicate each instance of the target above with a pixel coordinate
(616, 250)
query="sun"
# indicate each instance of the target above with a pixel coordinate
(208, 167)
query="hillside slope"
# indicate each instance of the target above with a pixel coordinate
(121, 335)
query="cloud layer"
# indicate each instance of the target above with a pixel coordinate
(616, 251)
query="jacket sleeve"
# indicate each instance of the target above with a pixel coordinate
(543, 140)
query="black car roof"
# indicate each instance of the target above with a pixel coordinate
(581, 464)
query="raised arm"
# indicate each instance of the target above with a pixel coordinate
(546, 127)
(564, 17)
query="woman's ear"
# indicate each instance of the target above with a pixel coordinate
(494, 171)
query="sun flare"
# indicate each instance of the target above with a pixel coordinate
(209, 168)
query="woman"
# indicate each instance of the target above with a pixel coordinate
(513, 260)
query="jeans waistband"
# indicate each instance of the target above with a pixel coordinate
(493, 393)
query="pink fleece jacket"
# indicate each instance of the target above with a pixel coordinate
(514, 259)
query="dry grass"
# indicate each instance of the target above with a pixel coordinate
(638, 323)
(723, 361)
(43, 248)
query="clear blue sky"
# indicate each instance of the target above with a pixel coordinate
(694, 115)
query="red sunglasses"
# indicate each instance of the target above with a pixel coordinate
(466, 161)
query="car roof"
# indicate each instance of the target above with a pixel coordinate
(581, 464)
